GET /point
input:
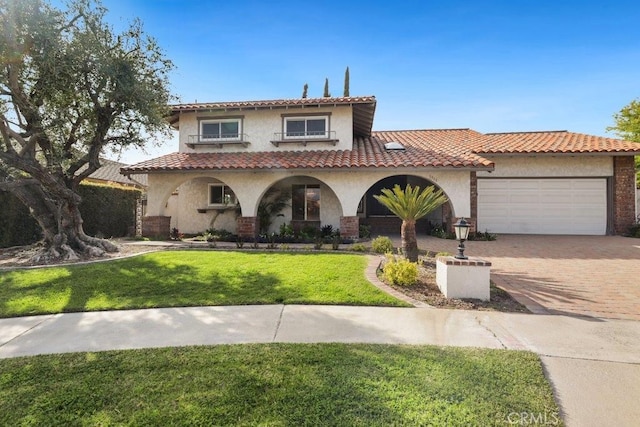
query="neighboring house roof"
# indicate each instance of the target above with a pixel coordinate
(423, 148)
(363, 108)
(109, 172)
(553, 142)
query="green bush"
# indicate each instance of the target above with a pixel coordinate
(400, 271)
(439, 254)
(364, 231)
(107, 211)
(359, 247)
(382, 245)
(17, 227)
(634, 231)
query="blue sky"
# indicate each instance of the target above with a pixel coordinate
(493, 66)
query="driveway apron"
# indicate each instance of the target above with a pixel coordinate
(593, 276)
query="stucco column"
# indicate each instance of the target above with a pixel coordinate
(247, 227)
(349, 227)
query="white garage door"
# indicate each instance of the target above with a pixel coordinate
(543, 206)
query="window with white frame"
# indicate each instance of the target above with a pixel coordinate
(305, 203)
(220, 194)
(221, 129)
(306, 127)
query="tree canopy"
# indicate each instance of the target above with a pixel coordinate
(628, 122)
(71, 89)
(628, 127)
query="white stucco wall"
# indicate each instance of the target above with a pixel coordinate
(341, 191)
(260, 126)
(549, 166)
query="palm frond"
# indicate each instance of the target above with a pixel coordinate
(411, 203)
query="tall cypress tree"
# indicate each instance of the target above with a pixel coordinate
(346, 82)
(326, 88)
(305, 88)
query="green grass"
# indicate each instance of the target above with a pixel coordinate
(275, 384)
(191, 278)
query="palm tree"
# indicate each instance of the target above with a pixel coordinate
(410, 205)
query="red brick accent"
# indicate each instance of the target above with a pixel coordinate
(349, 227)
(156, 226)
(624, 190)
(247, 226)
(447, 215)
(471, 262)
(473, 191)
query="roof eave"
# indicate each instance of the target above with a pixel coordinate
(558, 154)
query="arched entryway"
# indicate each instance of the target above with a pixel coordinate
(308, 203)
(381, 221)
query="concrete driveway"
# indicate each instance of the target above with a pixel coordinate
(594, 276)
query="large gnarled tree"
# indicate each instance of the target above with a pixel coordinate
(70, 89)
(410, 205)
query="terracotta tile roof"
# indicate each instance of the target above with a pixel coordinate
(363, 108)
(552, 142)
(274, 103)
(437, 148)
(423, 148)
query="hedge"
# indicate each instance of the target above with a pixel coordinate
(106, 211)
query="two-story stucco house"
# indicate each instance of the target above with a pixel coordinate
(323, 154)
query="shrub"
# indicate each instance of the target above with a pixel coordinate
(108, 211)
(400, 271)
(326, 230)
(489, 237)
(359, 247)
(634, 231)
(364, 231)
(439, 254)
(219, 234)
(382, 245)
(441, 233)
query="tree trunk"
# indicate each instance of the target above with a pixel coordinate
(409, 240)
(61, 223)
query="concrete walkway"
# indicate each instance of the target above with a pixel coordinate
(593, 365)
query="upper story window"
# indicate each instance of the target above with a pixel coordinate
(222, 129)
(306, 127)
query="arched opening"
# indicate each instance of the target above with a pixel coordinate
(298, 202)
(202, 203)
(380, 220)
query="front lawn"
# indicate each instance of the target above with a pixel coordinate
(276, 384)
(191, 278)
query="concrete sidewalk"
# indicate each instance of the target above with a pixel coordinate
(593, 364)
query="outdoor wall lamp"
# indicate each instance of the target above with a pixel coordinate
(462, 233)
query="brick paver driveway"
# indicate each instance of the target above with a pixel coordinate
(597, 276)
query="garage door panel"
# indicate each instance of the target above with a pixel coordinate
(543, 206)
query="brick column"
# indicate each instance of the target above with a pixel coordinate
(447, 217)
(473, 190)
(156, 226)
(624, 190)
(247, 227)
(349, 227)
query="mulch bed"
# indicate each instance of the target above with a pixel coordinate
(426, 290)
